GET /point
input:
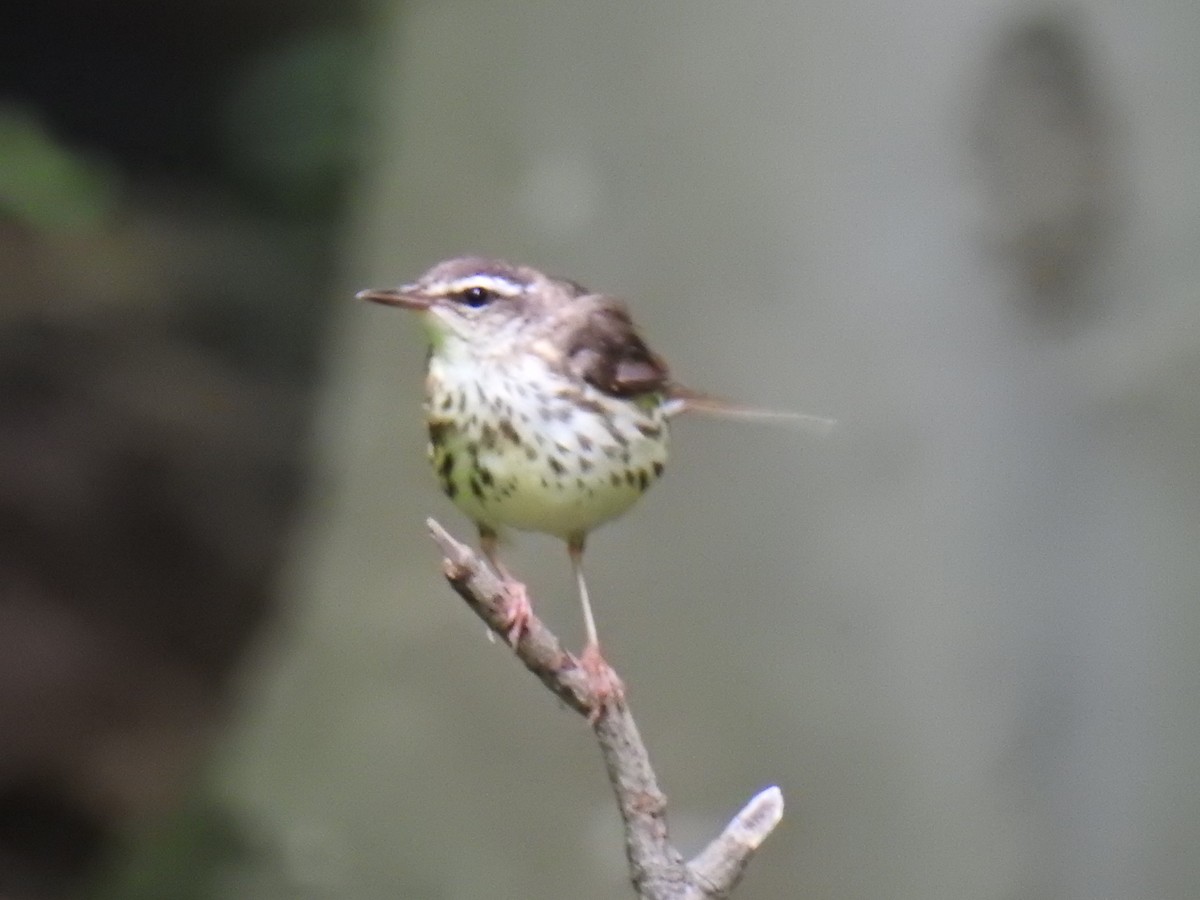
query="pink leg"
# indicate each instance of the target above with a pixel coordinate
(517, 611)
(602, 681)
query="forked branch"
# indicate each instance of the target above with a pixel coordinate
(657, 870)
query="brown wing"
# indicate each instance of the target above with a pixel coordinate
(605, 350)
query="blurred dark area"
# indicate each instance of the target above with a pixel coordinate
(145, 494)
(1044, 144)
(153, 86)
(171, 184)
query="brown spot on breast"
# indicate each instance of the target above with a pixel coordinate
(559, 468)
(658, 469)
(487, 437)
(643, 480)
(447, 466)
(506, 429)
(614, 433)
(650, 431)
(585, 443)
(437, 431)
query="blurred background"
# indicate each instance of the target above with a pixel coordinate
(960, 633)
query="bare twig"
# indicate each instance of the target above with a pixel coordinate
(657, 870)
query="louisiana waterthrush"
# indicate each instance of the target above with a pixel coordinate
(546, 411)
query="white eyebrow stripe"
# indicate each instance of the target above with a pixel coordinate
(495, 283)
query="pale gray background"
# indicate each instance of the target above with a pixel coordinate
(960, 634)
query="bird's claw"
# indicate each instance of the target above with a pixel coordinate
(517, 611)
(603, 683)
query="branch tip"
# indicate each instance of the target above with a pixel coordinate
(657, 870)
(759, 817)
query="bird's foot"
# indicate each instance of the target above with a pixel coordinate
(603, 683)
(517, 610)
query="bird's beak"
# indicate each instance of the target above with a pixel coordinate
(406, 297)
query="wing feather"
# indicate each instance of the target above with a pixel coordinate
(605, 349)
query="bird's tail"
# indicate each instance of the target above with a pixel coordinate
(681, 400)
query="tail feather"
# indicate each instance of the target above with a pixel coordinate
(681, 400)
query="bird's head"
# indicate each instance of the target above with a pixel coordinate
(476, 304)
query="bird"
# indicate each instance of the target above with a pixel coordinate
(546, 412)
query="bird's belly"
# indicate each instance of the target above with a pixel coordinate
(561, 477)
(572, 505)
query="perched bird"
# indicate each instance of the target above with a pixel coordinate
(546, 411)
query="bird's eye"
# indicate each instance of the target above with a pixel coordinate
(476, 296)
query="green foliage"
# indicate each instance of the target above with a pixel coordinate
(45, 185)
(292, 125)
(187, 857)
